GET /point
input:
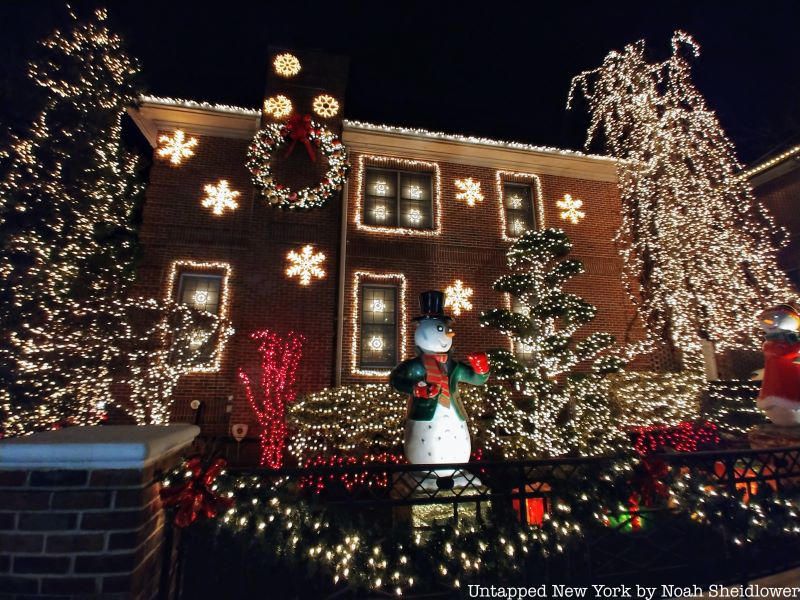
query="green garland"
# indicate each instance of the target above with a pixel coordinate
(397, 560)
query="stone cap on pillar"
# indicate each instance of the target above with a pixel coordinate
(96, 447)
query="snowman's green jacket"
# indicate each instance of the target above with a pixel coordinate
(405, 376)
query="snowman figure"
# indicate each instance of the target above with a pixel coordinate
(780, 389)
(436, 428)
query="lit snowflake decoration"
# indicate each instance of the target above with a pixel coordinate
(286, 65)
(305, 264)
(381, 188)
(457, 296)
(379, 212)
(219, 197)
(517, 226)
(415, 216)
(414, 192)
(200, 297)
(515, 201)
(278, 106)
(177, 147)
(470, 191)
(376, 344)
(326, 106)
(378, 305)
(570, 209)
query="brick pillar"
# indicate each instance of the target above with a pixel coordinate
(80, 514)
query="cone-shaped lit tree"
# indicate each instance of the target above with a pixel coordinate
(66, 198)
(565, 407)
(695, 241)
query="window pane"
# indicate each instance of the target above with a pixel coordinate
(381, 183)
(518, 204)
(378, 329)
(415, 214)
(380, 212)
(201, 292)
(415, 186)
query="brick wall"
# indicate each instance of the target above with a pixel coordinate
(81, 533)
(470, 247)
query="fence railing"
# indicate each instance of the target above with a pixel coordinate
(667, 550)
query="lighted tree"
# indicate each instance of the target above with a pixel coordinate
(66, 198)
(697, 245)
(275, 390)
(561, 377)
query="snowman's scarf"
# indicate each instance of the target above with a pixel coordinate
(434, 373)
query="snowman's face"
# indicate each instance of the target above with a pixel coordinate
(779, 320)
(434, 335)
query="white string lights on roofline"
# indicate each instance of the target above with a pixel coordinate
(366, 160)
(358, 276)
(767, 164)
(177, 267)
(502, 177)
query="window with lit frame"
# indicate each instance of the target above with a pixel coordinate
(397, 198)
(378, 326)
(201, 291)
(518, 204)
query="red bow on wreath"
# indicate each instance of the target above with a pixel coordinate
(298, 129)
(194, 497)
(649, 481)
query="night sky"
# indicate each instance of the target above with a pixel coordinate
(496, 69)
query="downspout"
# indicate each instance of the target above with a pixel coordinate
(340, 313)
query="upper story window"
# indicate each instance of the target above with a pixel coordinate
(201, 291)
(518, 207)
(395, 198)
(378, 316)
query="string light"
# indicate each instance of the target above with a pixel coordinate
(286, 64)
(278, 106)
(275, 390)
(682, 198)
(768, 164)
(391, 162)
(415, 216)
(355, 369)
(219, 197)
(470, 191)
(177, 267)
(570, 209)
(176, 147)
(457, 297)
(305, 265)
(326, 106)
(518, 226)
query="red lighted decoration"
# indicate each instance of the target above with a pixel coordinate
(319, 481)
(684, 437)
(274, 391)
(193, 498)
(535, 507)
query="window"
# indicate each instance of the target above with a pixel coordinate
(200, 291)
(522, 351)
(378, 316)
(394, 198)
(518, 207)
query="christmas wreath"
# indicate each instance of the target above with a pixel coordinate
(314, 137)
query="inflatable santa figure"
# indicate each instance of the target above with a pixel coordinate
(780, 389)
(436, 428)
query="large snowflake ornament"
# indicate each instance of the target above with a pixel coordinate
(470, 191)
(219, 197)
(457, 297)
(570, 209)
(305, 264)
(326, 106)
(176, 146)
(278, 106)
(286, 65)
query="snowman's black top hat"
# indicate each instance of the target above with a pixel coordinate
(431, 305)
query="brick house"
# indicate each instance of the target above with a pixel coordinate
(396, 229)
(776, 183)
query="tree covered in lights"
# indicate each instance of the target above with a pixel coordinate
(696, 244)
(67, 194)
(566, 405)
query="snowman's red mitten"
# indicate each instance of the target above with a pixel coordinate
(426, 390)
(479, 362)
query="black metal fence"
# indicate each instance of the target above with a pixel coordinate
(648, 546)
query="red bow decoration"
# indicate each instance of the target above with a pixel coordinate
(649, 482)
(298, 129)
(194, 497)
